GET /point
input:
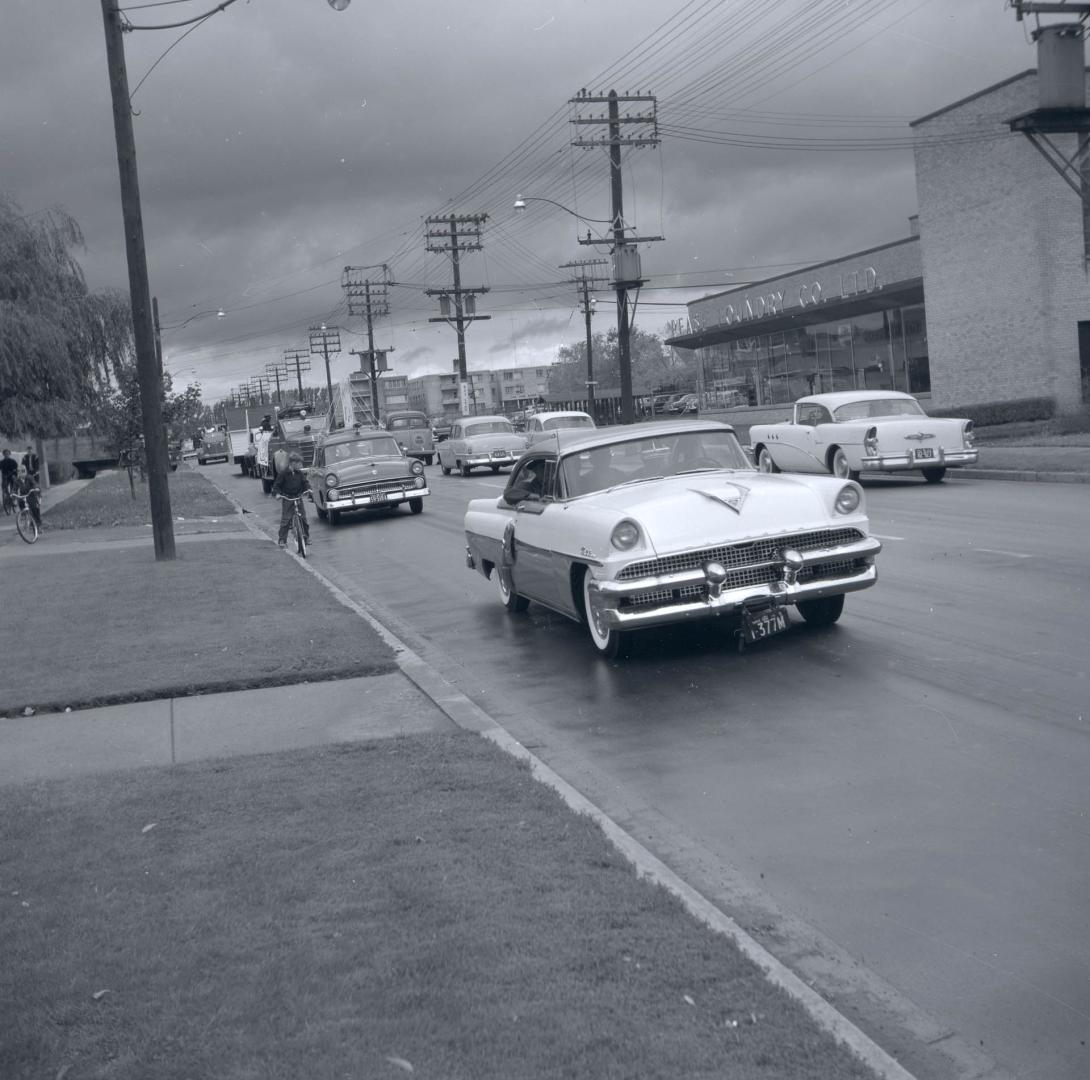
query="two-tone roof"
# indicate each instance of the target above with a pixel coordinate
(845, 397)
(576, 440)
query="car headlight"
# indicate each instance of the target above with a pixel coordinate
(968, 434)
(330, 479)
(417, 467)
(847, 499)
(625, 536)
(421, 482)
(870, 441)
(331, 493)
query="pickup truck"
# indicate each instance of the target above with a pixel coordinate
(242, 422)
(213, 447)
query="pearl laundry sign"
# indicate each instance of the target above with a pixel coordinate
(807, 294)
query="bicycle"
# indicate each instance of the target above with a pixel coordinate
(25, 521)
(296, 526)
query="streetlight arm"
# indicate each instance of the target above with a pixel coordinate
(219, 313)
(522, 200)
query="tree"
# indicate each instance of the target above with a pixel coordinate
(652, 364)
(60, 343)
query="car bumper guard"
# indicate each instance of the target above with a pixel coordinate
(716, 599)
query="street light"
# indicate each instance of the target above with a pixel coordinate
(148, 356)
(521, 201)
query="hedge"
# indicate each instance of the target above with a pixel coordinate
(991, 413)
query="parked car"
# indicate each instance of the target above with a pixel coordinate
(413, 433)
(213, 447)
(630, 527)
(660, 403)
(480, 442)
(687, 403)
(364, 469)
(857, 431)
(541, 425)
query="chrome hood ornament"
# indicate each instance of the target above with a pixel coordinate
(733, 497)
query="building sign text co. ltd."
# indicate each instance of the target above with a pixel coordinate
(808, 294)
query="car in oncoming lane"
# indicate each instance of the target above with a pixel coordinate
(541, 425)
(478, 442)
(863, 431)
(630, 527)
(364, 469)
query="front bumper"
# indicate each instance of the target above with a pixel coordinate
(693, 594)
(942, 459)
(354, 502)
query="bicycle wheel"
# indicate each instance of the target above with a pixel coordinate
(27, 526)
(300, 540)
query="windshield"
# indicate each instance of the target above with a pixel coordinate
(863, 410)
(568, 422)
(633, 460)
(490, 427)
(379, 446)
(400, 423)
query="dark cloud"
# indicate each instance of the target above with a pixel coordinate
(281, 141)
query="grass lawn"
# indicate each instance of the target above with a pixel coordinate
(115, 625)
(416, 905)
(107, 501)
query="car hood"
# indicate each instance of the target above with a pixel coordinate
(362, 470)
(704, 509)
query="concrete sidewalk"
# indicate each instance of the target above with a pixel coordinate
(1052, 464)
(170, 731)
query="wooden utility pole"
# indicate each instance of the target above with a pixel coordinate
(584, 282)
(147, 365)
(371, 300)
(324, 339)
(300, 360)
(448, 240)
(626, 259)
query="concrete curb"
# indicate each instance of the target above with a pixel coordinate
(1050, 477)
(470, 717)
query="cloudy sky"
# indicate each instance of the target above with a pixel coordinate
(281, 141)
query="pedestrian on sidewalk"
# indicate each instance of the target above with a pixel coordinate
(291, 484)
(30, 463)
(9, 468)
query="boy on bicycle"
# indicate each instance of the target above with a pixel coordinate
(291, 484)
(26, 485)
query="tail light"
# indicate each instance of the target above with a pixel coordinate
(968, 434)
(870, 441)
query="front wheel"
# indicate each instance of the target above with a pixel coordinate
(300, 539)
(445, 468)
(428, 459)
(464, 469)
(823, 612)
(838, 466)
(334, 517)
(765, 463)
(934, 475)
(508, 597)
(321, 512)
(494, 468)
(609, 641)
(416, 506)
(27, 526)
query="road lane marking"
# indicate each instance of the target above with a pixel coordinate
(1000, 551)
(880, 536)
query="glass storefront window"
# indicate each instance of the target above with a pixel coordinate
(879, 350)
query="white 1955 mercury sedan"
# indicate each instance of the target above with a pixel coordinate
(859, 431)
(667, 521)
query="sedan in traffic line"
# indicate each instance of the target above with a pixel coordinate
(480, 442)
(863, 431)
(364, 469)
(629, 527)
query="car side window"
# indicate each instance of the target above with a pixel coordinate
(530, 480)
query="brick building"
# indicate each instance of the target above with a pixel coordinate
(988, 299)
(499, 390)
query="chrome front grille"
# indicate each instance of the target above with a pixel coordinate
(376, 486)
(761, 557)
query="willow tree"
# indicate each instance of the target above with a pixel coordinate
(60, 343)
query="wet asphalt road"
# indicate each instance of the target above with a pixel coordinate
(908, 791)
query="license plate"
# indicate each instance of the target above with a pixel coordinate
(378, 496)
(499, 454)
(923, 453)
(758, 625)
